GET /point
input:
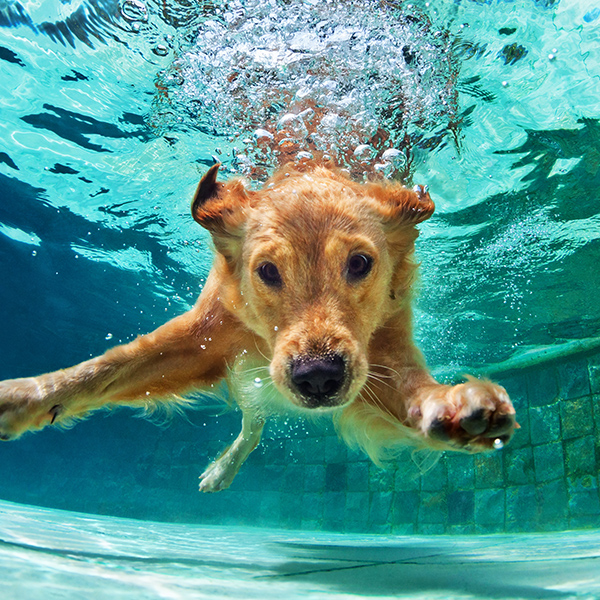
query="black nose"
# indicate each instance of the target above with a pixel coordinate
(318, 379)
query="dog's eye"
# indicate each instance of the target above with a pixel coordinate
(269, 273)
(358, 266)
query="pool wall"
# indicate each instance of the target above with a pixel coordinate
(302, 476)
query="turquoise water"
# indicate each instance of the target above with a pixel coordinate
(54, 554)
(109, 113)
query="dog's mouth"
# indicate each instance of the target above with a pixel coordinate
(320, 382)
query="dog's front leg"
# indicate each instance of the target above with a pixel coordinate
(188, 353)
(221, 472)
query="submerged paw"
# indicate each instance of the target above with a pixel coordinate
(218, 475)
(21, 409)
(477, 415)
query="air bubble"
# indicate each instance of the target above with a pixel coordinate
(279, 63)
(134, 10)
(498, 444)
(364, 152)
(108, 336)
(394, 156)
(263, 136)
(258, 383)
(293, 126)
(160, 50)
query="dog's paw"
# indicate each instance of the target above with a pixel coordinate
(219, 474)
(23, 407)
(476, 415)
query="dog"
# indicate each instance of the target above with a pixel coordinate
(307, 309)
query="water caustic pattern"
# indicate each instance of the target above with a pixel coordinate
(493, 105)
(70, 555)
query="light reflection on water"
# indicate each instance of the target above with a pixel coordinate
(108, 123)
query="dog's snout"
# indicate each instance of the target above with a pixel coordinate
(318, 379)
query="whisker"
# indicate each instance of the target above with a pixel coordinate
(371, 393)
(261, 352)
(381, 376)
(254, 370)
(386, 367)
(374, 377)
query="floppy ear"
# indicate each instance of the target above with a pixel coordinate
(401, 206)
(219, 207)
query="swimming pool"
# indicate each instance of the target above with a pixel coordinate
(108, 119)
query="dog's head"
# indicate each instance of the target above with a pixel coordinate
(314, 264)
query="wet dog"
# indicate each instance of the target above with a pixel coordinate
(307, 309)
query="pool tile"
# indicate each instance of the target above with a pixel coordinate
(521, 507)
(404, 528)
(552, 501)
(544, 423)
(490, 508)
(407, 476)
(310, 450)
(405, 507)
(582, 483)
(357, 474)
(522, 435)
(335, 450)
(461, 471)
(270, 509)
(596, 409)
(291, 509)
(335, 477)
(314, 478)
(542, 386)
(312, 506)
(356, 514)
(461, 507)
(432, 529)
(489, 470)
(549, 462)
(435, 478)
(293, 478)
(580, 456)
(585, 503)
(576, 417)
(585, 522)
(381, 480)
(433, 508)
(380, 509)
(594, 373)
(573, 379)
(461, 529)
(518, 466)
(333, 510)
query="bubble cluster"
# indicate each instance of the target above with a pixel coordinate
(355, 82)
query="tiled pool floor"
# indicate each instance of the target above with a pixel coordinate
(47, 554)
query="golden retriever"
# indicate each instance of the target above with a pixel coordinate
(307, 308)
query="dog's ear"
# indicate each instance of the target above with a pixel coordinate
(219, 207)
(401, 206)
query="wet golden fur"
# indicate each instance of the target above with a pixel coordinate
(307, 223)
